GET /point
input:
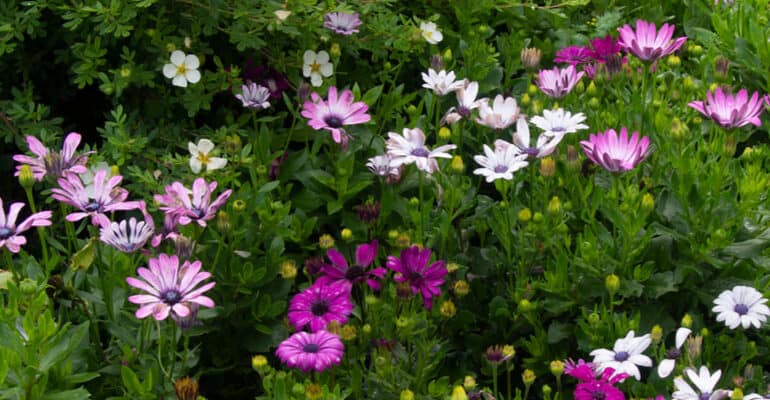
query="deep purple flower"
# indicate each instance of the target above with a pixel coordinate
(94, 200)
(10, 233)
(647, 43)
(731, 111)
(601, 388)
(604, 48)
(320, 304)
(342, 23)
(581, 370)
(556, 83)
(339, 271)
(616, 153)
(311, 351)
(273, 80)
(574, 55)
(53, 163)
(335, 113)
(413, 268)
(183, 205)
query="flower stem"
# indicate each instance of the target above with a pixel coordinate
(494, 380)
(421, 228)
(40, 230)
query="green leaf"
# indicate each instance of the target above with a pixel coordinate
(66, 344)
(84, 257)
(558, 331)
(130, 380)
(371, 96)
(74, 394)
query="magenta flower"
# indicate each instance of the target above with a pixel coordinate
(342, 23)
(616, 153)
(731, 111)
(647, 43)
(574, 55)
(183, 205)
(320, 304)
(53, 163)
(170, 288)
(556, 83)
(413, 267)
(602, 388)
(335, 113)
(339, 271)
(604, 48)
(311, 351)
(584, 371)
(10, 233)
(96, 199)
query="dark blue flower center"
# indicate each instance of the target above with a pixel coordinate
(420, 152)
(558, 129)
(673, 354)
(93, 206)
(621, 356)
(171, 297)
(5, 233)
(598, 395)
(414, 276)
(198, 213)
(354, 273)
(310, 348)
(501, 169)
(741, 309)
(530, 151)
(319, 308)
(704, 396)
(333, 121)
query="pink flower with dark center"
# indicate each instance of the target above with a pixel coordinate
(647, 43)
(95, 200)
(342, 23)
(556, 83)
(339, 271)
(170, 288)
(604, 48)
(574, 55)
(602, 388)
(10, 233)
(335, 113)
(53, 163)
(183, 205)
(731, 111)
(320, 304)
(311, 351)
(413, 267)
(616, 153)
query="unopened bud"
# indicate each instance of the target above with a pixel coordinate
(526, 306)
(335, 51)
(461, 288)
(687, 321)
(612, 283)
(695, 49)
(554, 206)
(348, 333)
(537, 217)
(26, 177)
(326, 241)
(677, 128)
(591, 89)
(223, 221)
(259, 363)
(594, 319)
(594, 103)
(532, 90)
(656, 334)
(457, 165)
(436, 62)
(469, 383)
(547, 167)
(648, 202)
(737, 394)
(458, 393)
(28, 287)
(525, 214)
(557, 367)
(448, 309)
(452, 267)
(530, 57)
(444, 133)
(721, 67)
(579, 88)
(447, 55)
(528, 377)
(688, 83)
(525, 100)
(406, 394)
(239, 205)
(346, 234)
(673, 61)
(288, 270)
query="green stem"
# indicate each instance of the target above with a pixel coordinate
(160, 350)
(508, 376)
(494, 380)
(40, 230)
(9, 263)
(421, 229)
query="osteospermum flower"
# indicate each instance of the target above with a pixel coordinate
(10, 233)
(170, 288)
(412, 267)
(441, 82)
(703, 381)
(742, 305)
(616, 153)
(601, 388)
(503, 113)
(500, 163)
(320, 304)
(339, 271)
(625, 356)
(521, 139)
(666, 366)
(335, 113)
(183, 205)
(53, 163)
(410, 148)
(182, 69)
(273, 80)
(647, 43)
(604, 48)
(254, 96)
(342, 23)
(383, 166)
(559, 122)
(200, 156)
(466, 102)
(95, 201)
(127, 236)
(573, 55)
(311, 351)
(731, 111)
(316, 66)
(556, 83)
(430, 32)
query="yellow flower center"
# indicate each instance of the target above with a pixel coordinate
(203, 158)
(315, 67)
(180, 70)
(428, 34)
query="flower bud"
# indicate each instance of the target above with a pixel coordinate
(547, 391)
(721, 67)
(737, 394)
(648, 202)
(223, 221)
(579, 88)
(233, 144)
(591, 89)
(557, 367)
(547, 167)
(686, 321)
(695, 49)
(448, 309)
(334, 327)
(26, 177)
(414, 202)
(525, 214)
(447, 56)
(594, 103)
(537, 217)
(335, 51)
(348, 333)
(458, 393)
(313, 391)
(612, 283)
(28, 287)
(326, 241)
(436, 62)
(526, 306)
(469, 383)
(525, 100)
(673, 61)
(186, 388)
(594, 319)
(259, 363)
(509, 351)
(366, 329)
(346, 234)
(461, 288)
(406, 394)
(239, 205)
(444, 133)
(288, 269)
(554, 206)
(528, 377)
(537, 106)
(688, 83)
(403, 240)
(392, 234)
(530, 57)
(656, 334)
(457, 165)
(532, 90)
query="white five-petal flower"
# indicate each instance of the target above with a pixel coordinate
(742, 305)
(559, 122)
(441, 82)
(625, 355)
(316, 66)
(183, 69)
(666, 366)
(500, 163)
(430, 32)
(705, 383)
(200, 155)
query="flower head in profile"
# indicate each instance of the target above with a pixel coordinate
(335, 113)
(170, 288)
(731, 111)
(556, 83)
(254, 96)
(316, 66)
(273, 80)
(502, 114)
(703, 381)
(581, 370)
(741, 305)
(441, 82)
(410, 148)
(182, 69)
(466, 102)
(383, 166)
(647, 43)
(320, 304)
(183, 205)
(311, 351)
(625, 356)
(544, 146)
(500, 163)
(430, 32)
(667, 366)
(95, 201)
(616, 153)
(53, 163)
(10, 232)
(342, 23)
(412, 267)
(573, 55)
(339, 270)
(129, 235)
(559, 122)
(200, 156)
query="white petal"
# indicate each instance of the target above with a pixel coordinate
(215, 163)
(322, 57)
(205, 146)
(665, 367)
(308, 57)
(193, 149)
(195, 164)
(177, 57)
(681, 336)
(316, 80)
(192, 75)
(169, 70)
(327, 69)
(192, 62)
(180, 81)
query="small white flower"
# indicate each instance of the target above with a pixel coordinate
(705, 383)
(254, 96)
(410, 148)
(500, 163)
(316, 67)
(501, 115)
(625, 355)
(183, 69)
(430, 32)
(545, 144)
(559, 122)
(666, 366)
(281, 15)
(200, 155)
(743, 305)
(442, 82)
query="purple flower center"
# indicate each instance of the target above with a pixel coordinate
(465, 112)
(501, 169)
(310, 348)
(319, 308)
(333, 121)
(621, 356)
(414, 276)
(598, 395)
(673, 354)
(558, 129)
(704, 396)
(354, 273)
(93, 206)
(530, 151)
(5, 233)
(171, 297)
(741, 309)
(420, 152)
(198, 213)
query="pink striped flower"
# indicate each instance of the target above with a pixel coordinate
(183, 206)
(647, 43)
(557, 82)
(53, 163)
(335, 113)
(616, 153)
(731, 111)
(413, 267)
(320, 304)
(129, 235)
(342, 23)
(10, 233)
(95, 200)
(311, 351)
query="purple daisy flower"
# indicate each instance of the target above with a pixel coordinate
(254, 96)
(53, 163)
(339, 271)
(183, 205)
(574, 55)
(556, 83)
(601, 388)
(94, 200)
(413, 267)
(647, 43)
(616, 153)
(170, 288)
(311, 351)
(604, 48)
(335, 113)
(10, 233)
(342, 23)
(320, 304)
(731, 111)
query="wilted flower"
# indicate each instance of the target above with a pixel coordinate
(410, 148)
(625, 355)
(200, 156)
(311, 351)
(500, 163)
(558, 82)
(316, 66)
(183, 69)
(10, 233)
(530, 57)
(335, 113)
(502, 114)
(441, 82)
(666, 366)
(342, 23)
(94, 201)
(183, 205)
(53, 163)
(430, 32)
(186, 388)
(703, 381)
(616, 153)
(273, 80)
(731, 111)
(254, 96)
(383, 166)
(413, 267)
(647, 43)
(339, 271)
(742, 305)
(320, 304)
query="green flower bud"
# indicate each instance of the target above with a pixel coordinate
(525, 215)
(26, 177)
(673, 61)
(612, 283)
(686, 321)
(591, 89)
(406, 394)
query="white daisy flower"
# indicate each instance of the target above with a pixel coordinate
(625, 355)
(545, 144)
(705, 383)
(442, 82)
(316, 66)
(559, 122)
(127, 236)
(183, 69)
(503, 113)
(254, 96)
(382, 166)
(666, 366)
(743, 305)
(430, 32)
(200, 155)
(410, 148)
(500, 163)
